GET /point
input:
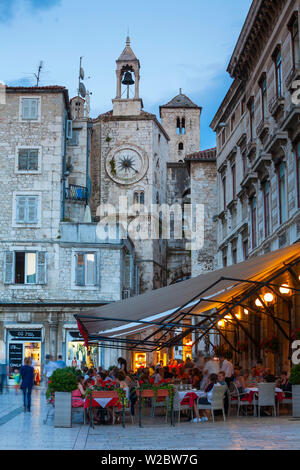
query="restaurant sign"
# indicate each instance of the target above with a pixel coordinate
(29, 335)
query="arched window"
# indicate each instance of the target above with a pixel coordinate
(178, 125)
(139, 197)
(180, 146)
(183, 126)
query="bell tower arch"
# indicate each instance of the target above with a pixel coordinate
(127, 74)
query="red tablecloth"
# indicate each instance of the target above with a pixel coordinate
(254, 396)
(113, 402)
(189, 399)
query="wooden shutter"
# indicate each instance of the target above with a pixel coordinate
(34, 109)
(21, 209)
(32, 203)
(41, 267)
(9, 267)
(79, 270)
(69, 129)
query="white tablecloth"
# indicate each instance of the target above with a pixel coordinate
(255, 389)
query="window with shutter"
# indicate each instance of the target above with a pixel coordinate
(27, 209)
(41, 265)
(30, 108)
(21, 209)
(9, 265)
(79, 270)
(69, 129)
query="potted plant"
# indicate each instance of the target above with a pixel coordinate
(61, 384)
(295, 381)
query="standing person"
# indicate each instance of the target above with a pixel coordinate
(227, 367)
(122, 364)
(49, 368)
(17, 380)
(60, 363)
(27, 374)
(210, 367)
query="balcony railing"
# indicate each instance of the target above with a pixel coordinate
(76, 193)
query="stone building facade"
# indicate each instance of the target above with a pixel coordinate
(50, 267)
(258, 136)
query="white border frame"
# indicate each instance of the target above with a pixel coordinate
(31, 97)
(28, 147)
(39, 210)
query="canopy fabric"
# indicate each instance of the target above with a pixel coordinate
(119, 318)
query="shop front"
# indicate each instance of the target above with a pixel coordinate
(22, 344)
(77, 355)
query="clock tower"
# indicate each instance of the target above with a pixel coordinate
(129, 159)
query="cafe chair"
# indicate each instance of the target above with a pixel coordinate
(266, 396)
(240, 400)
(178, 407)
(217, 402)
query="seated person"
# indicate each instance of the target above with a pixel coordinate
(221, 378)
(260, 370)
(167, 373)
(284, 384)
(78, 395)
(268, 376)
(196, 377)
(201, 414)
(238, 379)
(158, 376)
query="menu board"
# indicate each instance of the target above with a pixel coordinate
(15, 356)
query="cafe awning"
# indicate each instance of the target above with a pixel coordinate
(166, 308)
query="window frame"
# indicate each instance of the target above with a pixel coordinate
(37, 268)
(251, 110)
(282, 194)
(28, 147)
(39, 104)
(18, 224)
(85, 253)
(278, 71)
(267, 213)
(263, 94)
(294, 19)
(253, 207)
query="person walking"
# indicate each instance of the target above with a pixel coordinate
(60, 363)
(27, 374)
(49, 367)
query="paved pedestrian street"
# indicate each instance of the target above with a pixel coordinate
(19, 430)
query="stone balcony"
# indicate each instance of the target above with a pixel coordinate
(262, 129)
(84, 233)
(276, 106)
(293, 75)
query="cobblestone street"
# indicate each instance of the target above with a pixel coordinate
(27, 431)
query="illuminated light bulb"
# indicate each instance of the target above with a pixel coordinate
(246, 312)
(220, 323)
(228, 317)
(268, 297)
(284, 289)
(238, 315)
(258, 303)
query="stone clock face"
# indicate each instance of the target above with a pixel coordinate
(126, 165)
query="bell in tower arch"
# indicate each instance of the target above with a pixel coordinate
(128, 80)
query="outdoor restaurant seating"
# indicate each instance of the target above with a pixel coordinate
(217, 402)
(240, 400)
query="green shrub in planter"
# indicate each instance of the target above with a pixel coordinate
(62, 380)
(295, 375)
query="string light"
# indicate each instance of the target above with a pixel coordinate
(268, 297)
(284, 289)
(246, 312)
